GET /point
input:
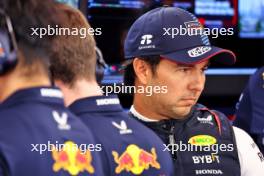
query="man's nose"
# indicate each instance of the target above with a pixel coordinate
(197, 82)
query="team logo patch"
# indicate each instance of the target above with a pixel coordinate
(199, 51)
(146, 39)
(146, 42)
(72, 160)
(193, 24)
(107, 101)
(202, 140)
(207, 120)
(206, 159)
(135, 160)
(62, 120)
(209, 172)
(123, 129)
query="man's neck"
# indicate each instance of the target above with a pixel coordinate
(14, 82)
(142, 106)
(81, 89)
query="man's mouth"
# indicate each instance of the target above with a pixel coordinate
(188, 101)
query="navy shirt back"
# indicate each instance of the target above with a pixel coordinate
(40, 137)
(129, 148)
(250, 110)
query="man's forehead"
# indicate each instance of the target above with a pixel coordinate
(203, 63)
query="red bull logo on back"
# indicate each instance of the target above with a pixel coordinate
(72, 160)
(135, 160)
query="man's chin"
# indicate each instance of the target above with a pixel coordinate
(183, 112)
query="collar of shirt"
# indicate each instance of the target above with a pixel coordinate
(139, 116)
(35, 94)
(96, 104)
(166, 124)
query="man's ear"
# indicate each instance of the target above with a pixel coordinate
(142, 70)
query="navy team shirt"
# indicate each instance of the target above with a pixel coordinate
(40, 137)
(129, 148)
(250, 110)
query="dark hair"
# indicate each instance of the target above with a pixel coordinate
(26, 15)
(129, 74)
(73, 57)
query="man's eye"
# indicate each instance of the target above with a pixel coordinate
(204, 69)
(184, 69)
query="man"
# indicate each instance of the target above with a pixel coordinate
(129, 148)
(250, 110)
(39, 136)
(201, 141)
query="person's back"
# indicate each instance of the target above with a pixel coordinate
(130, 147)
(38, 135)
(250, 110)
(36, 130)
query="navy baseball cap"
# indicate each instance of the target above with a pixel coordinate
(250, 109)
(155, 33)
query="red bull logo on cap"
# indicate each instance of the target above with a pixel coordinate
(135, 160)
(72, 160)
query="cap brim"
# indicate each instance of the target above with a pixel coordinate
(219, 55)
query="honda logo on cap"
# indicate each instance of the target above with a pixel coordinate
(198, 51)
(146, 39)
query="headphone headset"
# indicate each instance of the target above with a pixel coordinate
(100, 65)
(8, 45)
(8, 54)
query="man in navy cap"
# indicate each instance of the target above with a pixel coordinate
(128, 147)
(38, 135)
(250, 110)
(167, 47)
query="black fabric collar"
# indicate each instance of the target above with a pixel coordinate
(166, 125)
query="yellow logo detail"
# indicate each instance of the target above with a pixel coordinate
(71, 159)
(135, 160)
(202, 140)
